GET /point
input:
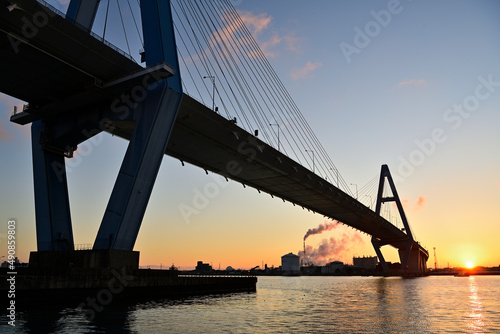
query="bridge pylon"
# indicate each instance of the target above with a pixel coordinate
(412, 255)
(56, 137)
(129, 198)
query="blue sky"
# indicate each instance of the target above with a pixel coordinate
(421, 94)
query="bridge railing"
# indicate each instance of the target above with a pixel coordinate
(90, 32)
(83, 246)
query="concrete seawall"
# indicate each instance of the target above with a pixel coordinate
(108, 274)
(120, 284)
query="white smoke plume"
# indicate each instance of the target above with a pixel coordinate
(334, 249)
(320, 229)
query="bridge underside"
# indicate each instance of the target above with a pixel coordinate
(80, 86)
(417, 262)
(210, 141)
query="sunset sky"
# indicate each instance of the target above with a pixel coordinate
(411, 84)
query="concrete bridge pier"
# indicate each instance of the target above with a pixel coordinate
(417, 260)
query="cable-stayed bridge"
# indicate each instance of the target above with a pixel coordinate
(77, 85)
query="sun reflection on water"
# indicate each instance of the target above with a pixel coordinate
(475, 318)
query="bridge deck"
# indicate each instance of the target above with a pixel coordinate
(210, 141)
(58, 69)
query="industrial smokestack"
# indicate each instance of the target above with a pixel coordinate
(320, 229)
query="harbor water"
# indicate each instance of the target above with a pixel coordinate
(432, 304)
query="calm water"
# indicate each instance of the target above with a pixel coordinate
(300, 305)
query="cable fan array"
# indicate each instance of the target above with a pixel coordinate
(224, 68)
(214, 43)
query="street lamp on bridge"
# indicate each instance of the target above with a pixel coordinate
(336, 172)
(354, 184)
(370, 200)
(276, 124)
(211, 77)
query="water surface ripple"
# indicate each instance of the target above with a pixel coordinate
(299, 305)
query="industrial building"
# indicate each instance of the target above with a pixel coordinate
(203, 268)
(290, 264)
(335, 267)
(365, 262)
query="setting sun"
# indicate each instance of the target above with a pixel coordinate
(469, 264)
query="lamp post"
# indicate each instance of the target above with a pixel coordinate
(278, 133)
(313, 157)
(337, 173)
(370, 200)
(354, 184)
(211, 77)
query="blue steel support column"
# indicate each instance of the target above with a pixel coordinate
(159, 37)
(53, 219)
(134, 184)
(83, 12)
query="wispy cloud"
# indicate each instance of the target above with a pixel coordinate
(304, 72)
(258, 23)
(267, 46)
(271, 43)
(292, 42)
(418, 82)
(419, 204)
(255, 23)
